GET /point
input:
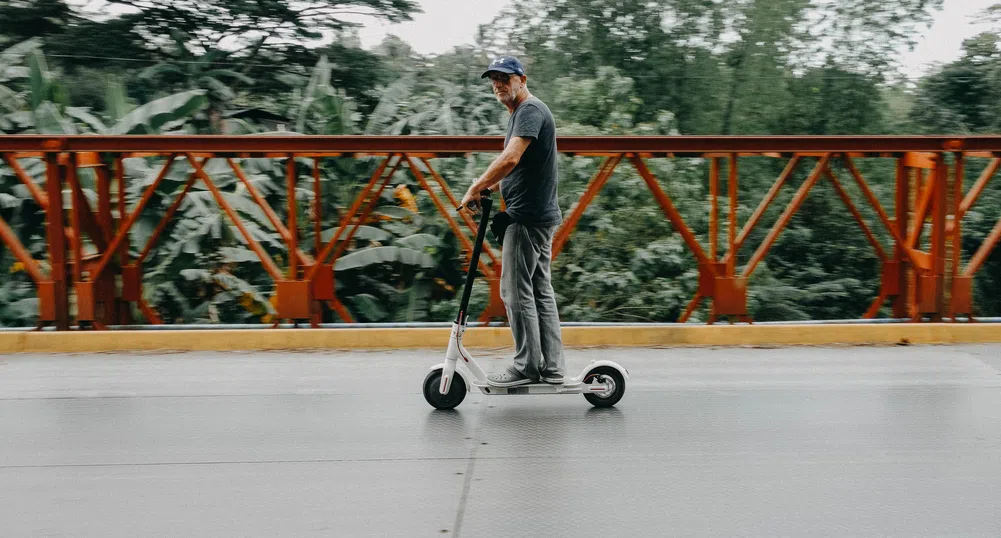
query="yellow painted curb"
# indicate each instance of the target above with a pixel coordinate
(784, 335)
(495, 337)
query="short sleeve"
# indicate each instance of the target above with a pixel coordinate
(528, 122)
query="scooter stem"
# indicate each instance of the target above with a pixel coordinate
(455, 351)
(474, 260)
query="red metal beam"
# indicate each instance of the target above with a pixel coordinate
(592, 190)
(924, 204)
(123, 230)
(713, 206)
(366, 211)
(466, 242)
(869, 195)
(940, 210)
(369, 202)
(672, 213)
(104, 202)
(9, 238)
(56, 235)
(977, 188)
(150, 314)
(124, 310)
(732, 193)
(293, 224)
(272, 217)
(901, 305)
(457, 145)
(762, 207)
(786, 216)
(168, 217)
(35, 190)
(956, 234)
(464, 214)
(927, 152)
(910, 253)
(269, 265)
(123, 248)
(855, 213)
(984, 251)
(321, 258)
(690, 309)
(81, 207)
(317, 207)
(875, 306)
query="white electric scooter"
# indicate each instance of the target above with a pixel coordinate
(602, 382)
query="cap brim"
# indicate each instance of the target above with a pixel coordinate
(497, 70)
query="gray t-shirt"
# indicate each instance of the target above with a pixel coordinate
(530, 189)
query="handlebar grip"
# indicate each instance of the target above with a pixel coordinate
(485, 193)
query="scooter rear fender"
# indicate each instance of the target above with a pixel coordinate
(594, 364)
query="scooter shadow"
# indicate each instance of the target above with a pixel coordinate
(446, 424)
(610, 420)
(600, 415)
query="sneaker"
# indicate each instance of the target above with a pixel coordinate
(552, 379)
(508, 378)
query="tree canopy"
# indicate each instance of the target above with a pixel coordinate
(679, 67)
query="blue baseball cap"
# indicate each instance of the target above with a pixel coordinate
(505, 64)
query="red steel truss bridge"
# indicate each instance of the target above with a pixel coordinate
(923, 274)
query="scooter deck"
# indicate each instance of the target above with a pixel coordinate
(571, 387)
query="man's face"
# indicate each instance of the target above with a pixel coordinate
(506, 86)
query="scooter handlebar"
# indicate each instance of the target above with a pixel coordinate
(474, 205)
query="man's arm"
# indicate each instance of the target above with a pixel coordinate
(499, 169)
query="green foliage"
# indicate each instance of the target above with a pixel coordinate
(417, 104)
(12, 74)
(187, 70)
(866, 36)
(323, 109)
(963, 97)
(24, 20)
(832, 101)
(633, 67)
(606, 101)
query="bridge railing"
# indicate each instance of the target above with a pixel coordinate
(90, 265)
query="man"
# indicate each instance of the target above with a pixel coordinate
(528, 167)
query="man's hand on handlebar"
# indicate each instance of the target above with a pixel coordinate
(471, 200)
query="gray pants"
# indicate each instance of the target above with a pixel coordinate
(530, 301)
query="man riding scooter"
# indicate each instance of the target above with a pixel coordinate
(526, 173)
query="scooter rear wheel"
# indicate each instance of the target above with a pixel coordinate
(611, 376)
(456, 392)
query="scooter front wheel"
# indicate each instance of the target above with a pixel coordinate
(614, 382)
(456, 392)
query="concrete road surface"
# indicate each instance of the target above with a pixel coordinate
(895, 441)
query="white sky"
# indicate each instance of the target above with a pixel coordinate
(443, 25)
(448, 23)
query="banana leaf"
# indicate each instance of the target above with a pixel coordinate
(379, 255)
(149, 118)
